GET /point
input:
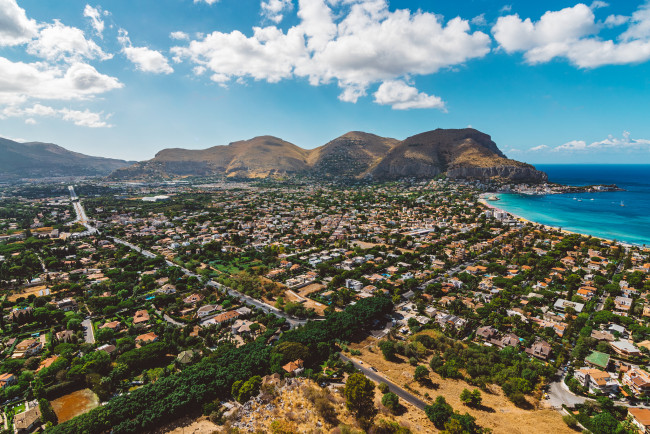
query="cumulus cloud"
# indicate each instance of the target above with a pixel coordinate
(21, 81)
(144, 58)
(179, 36)
(94, 14)
(401, 96)
(538, 148)
(210, 2)
(57, 41)
(626, 142)
(572, 33)
(274, 9)
(84, 118)
(15, 27)
(354, 44)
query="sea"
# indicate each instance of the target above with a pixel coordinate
(622, 216)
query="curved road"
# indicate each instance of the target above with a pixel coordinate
(293, 322)
(375, 376)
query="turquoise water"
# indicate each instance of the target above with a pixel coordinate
(597, 214)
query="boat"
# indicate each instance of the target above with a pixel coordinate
(579, 200)
(493, 198)
(622, 204)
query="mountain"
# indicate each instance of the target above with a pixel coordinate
(459, 153)
(259, 157)
(47, 160)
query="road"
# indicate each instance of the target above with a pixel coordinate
(81, 214)
(89, 334)
(377, 377)
(293, 322)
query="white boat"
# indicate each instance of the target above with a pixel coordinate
(622, 204)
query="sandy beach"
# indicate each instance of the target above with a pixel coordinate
(484, 202)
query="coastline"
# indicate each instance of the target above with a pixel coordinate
(487, 204)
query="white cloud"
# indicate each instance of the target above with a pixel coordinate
(356, 44)
(616, 20)
(572, 33)
(21, 81)
(144, 58)
(94, 14)
(274, 9)
(15, 27)
(538, 148)
(210, 2)
(179, 36)
(505, 8)
(84, 118)
(597, 4)
(57, 41)
(610, 143)
(401, 96)
(479, 20)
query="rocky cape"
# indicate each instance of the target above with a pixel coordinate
(36, 160)
(458, 153)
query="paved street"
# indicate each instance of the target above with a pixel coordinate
(377, 377)
(89, 334)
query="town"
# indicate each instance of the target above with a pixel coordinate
(115, 295)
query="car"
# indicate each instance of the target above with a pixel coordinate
(373, 368)
(360, 362)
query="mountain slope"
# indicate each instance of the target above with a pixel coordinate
(39, 160)
(351, 155)
(463, 153)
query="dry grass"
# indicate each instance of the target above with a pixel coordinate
(26, 292)
(498, 413)
(311, 288)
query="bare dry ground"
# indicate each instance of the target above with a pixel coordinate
(497, 413)
(311, 288)
(291, 409)
(26, 292)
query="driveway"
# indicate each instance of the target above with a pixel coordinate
(89, 334)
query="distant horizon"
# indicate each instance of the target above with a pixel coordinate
(550, 82)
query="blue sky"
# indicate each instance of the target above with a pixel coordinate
(551, 82)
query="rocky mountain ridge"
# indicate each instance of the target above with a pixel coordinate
(458, 153)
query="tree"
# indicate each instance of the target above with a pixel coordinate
(603, 423)
(472, 399)
(391, 402)
(359, 394)
(439, 412)
(421, 374)
(105, 335)
(47, 412)
(249, 389)
(387, 349)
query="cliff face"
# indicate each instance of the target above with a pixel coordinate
(524, 174)
(460, 153)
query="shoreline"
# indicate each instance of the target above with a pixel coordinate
(625, 244)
